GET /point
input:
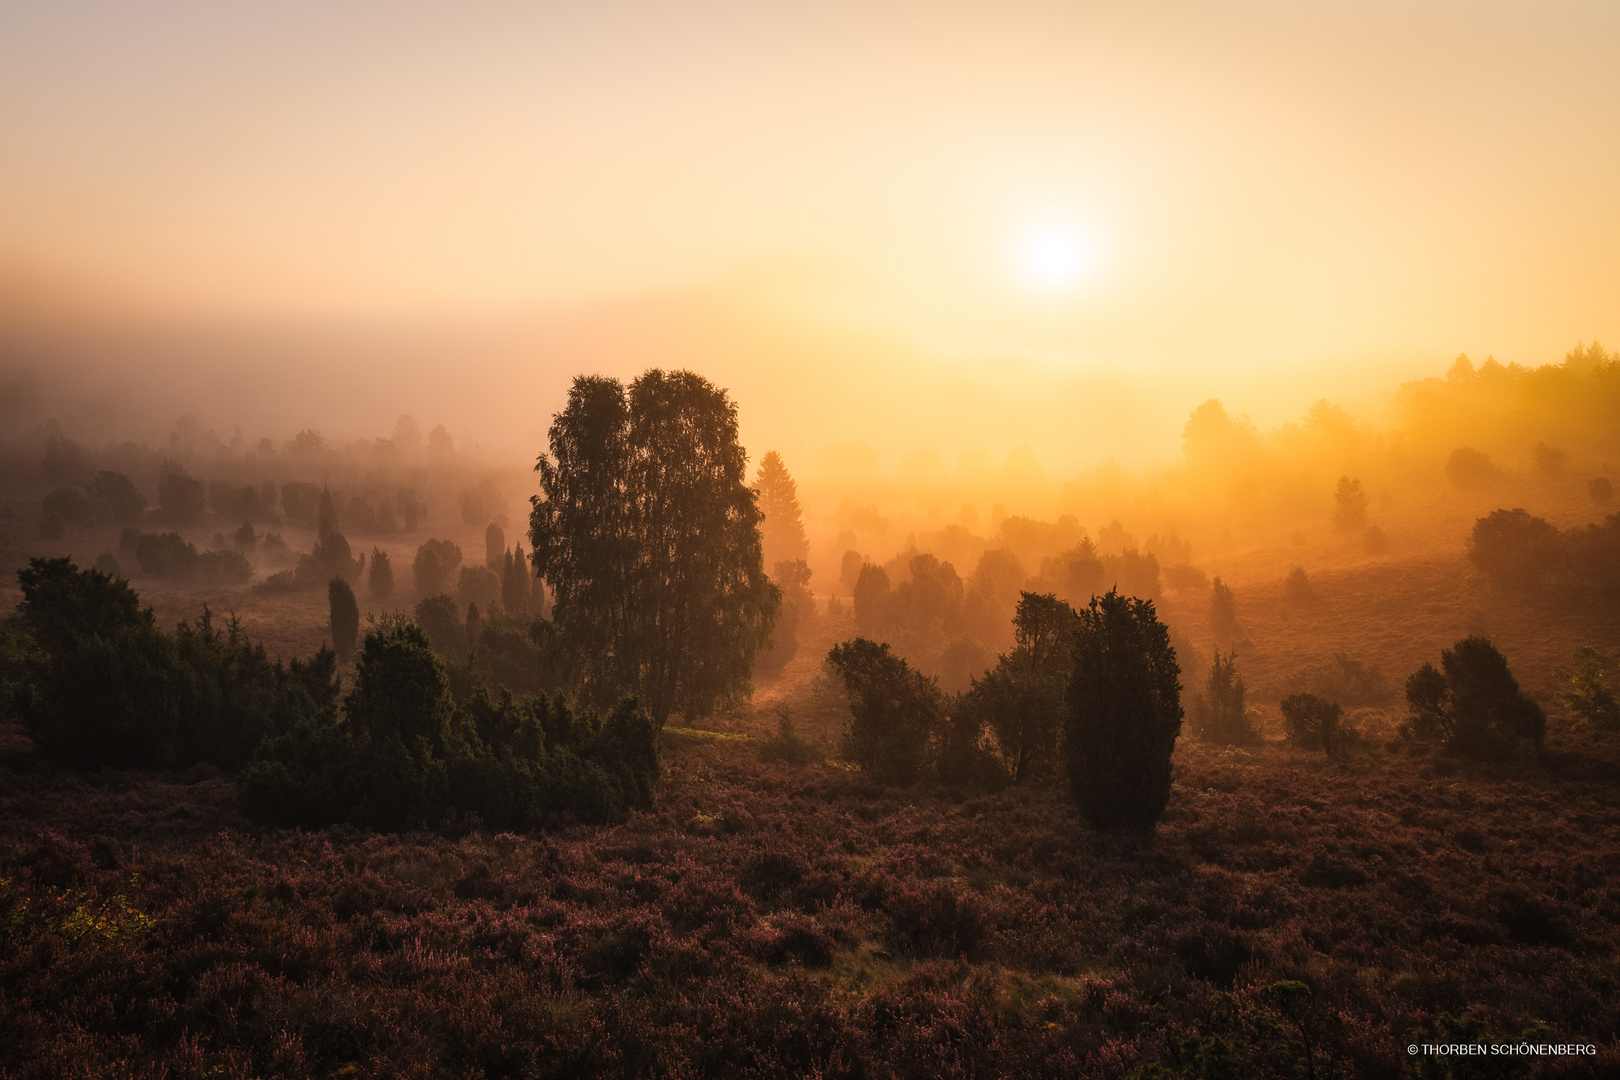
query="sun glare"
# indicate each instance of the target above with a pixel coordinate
(1054, 258)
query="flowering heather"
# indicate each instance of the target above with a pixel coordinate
(1291, 918)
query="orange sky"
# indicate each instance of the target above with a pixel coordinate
(819, 204)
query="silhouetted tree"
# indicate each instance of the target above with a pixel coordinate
(1349, 506)
(68, 505)
(1220, 714)
(1600, 489)
(872, 600)
(1548, 461)
(1514, 548)
(1222, 612)
(478, 585)
(440, 619)
(380, 581)
(494, 548)
(782, 531)
(115, 499)
(1473, 706)
(410, 508)
(1469, 469)
(1022, 698)
(245, 538)
(649, 540)
(166, 555)
(849, 569)
(1585, 690)
(1124, 713)
(798, 606)
(896, 714)
(435, 561)
(515, 590)
(1314, 723)
(300, 501)
(181, 499)
(64, 461)
(345, 618)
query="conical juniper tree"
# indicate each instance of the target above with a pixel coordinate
(1124, 713)
(648, 537)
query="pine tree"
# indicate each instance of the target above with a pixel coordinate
(782, 531)
(515, 583)
(381, 580)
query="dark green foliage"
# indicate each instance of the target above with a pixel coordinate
(1022, 698)
(1219, 714)
(166, 555)
(380, 578)
(788, 746)
(345, 618)
(440, 619)
(62, 604)
(1586, 691)
(520, 656)
(897, 714)
(1124, 713)
(407, 757)
(1473, 707)
(1314, 723)
(649, 539)
(1513, 548)
(181, 500)
(107, 689)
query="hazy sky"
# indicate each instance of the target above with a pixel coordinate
(1262, 201)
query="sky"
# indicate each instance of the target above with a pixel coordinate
(945, 225)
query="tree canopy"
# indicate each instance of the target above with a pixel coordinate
(648, 536)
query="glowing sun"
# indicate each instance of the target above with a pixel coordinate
(1054, 258)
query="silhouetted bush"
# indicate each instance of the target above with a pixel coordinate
(1473, 707)
(1124, 713)
(64, 461)
(110, 690)
(1315, 723)
(788, 746)
(1219, 714)
(897, 714)
(228, 567)
(478, 585)
(68, 505)
(107, 563)
(1374, 541)
(1600, 489)
(872, 599)
(408, 757)
(435, 561)
(1586, 692)
(246, 502)
(1349, 506)
(440, 618)
(181, 500)
(245, 538)
(1021, 699)
(300, 501)
(115, 499)
(1592, 560)
(1130, 573)
(1470, 469)
(1350, 682)
(166, 555)
(1548, 461)
(380, 578)
(1513, 548)
(1185, 578)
